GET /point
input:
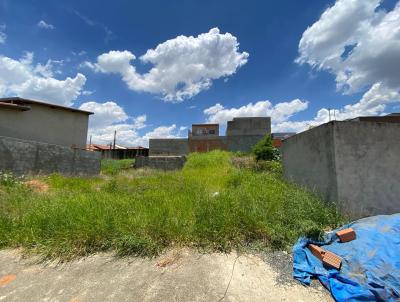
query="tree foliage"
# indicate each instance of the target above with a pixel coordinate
(264, 149)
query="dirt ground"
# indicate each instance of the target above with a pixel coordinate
(178, 275)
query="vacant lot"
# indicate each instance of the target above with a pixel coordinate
(211, 205)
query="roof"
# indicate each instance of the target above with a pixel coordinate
(93, 147)
(282, 135)
(251, 117)
(22, 101)
(14, 106)
(136, 148)
(204, 125)
(97, 147)
(391, 118)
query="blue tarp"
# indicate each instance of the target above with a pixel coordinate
(370, 267)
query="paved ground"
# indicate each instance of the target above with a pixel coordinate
(179, 275)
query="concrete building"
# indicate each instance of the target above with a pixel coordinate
(241, 135)
(42, 122)
(355, 164)
(37, 137)
(204, 130)
(205, 138)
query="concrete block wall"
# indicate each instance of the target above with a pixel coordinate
(23, 157)
(249, 126)
(308, 159)
(168, 146)
(367, 158)
(242, 143)
(160, 162)
(354, 164)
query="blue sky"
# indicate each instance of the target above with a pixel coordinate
(288, 59)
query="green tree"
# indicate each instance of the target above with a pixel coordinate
(264, 150)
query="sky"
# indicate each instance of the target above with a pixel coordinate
(150, 69)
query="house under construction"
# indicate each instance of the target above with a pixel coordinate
(242, 133)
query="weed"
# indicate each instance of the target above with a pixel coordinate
(113, 166)
(133, 213)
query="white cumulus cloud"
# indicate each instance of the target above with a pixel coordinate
(359, 43)
(356, 41)
(44, 25)
(373, 102)
(181, 67)
(23, 78)
(279, 112)
(106, 114)
(109, 117)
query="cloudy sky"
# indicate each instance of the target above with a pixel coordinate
(152, 68)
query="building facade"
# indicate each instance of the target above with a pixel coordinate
(241, 135)
(43, 122)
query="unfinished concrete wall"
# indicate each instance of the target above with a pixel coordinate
(160, 162)
(168, 146)
(258, 126)
(368, 167)
(242, 143)
(23, 157)
(355, 164)
(45, 124)
(243, 133)
(308, 159)
(206, 144)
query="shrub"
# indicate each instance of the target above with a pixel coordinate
(264, 150)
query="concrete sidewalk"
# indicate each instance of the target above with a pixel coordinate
(179, 275)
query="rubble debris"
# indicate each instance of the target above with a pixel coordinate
(369, 265)
(328, 258)
(332, 260)
(346, 235)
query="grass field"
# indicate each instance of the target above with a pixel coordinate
(112, 166)
(210, 204)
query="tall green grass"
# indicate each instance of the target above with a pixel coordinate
(113, 166)
(210, 204)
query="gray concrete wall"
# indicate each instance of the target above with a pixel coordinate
(160, 162)
(368, 167)
(308, 159)
(168, 146)
(45, 124)
(355, 164)
(249, 126)
(23, 157)
(242, 143)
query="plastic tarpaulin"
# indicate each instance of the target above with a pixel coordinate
(370, 264)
